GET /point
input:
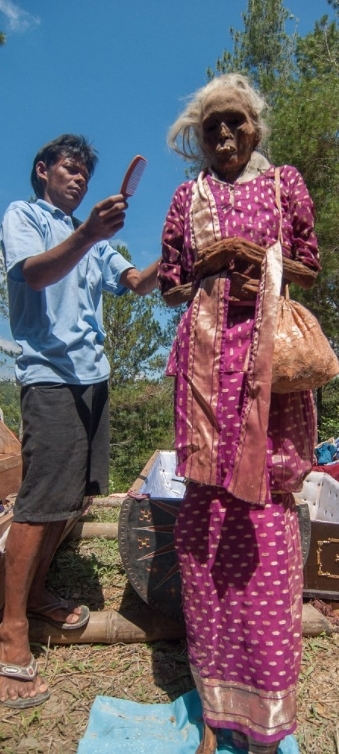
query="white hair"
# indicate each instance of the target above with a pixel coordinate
(185, 136)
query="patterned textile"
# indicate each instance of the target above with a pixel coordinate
(214, 445)
(245, 209)
(242, 596)
(240, 562)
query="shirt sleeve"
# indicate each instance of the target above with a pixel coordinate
(21, 237)
(113, 265)
(304, 245)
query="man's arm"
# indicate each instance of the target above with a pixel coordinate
(105, 219)
(141, 282)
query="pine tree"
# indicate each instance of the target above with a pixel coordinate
(299, 77)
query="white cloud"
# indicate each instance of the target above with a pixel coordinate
(18, 20)
(9, 345)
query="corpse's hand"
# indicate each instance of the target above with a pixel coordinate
(105, 219)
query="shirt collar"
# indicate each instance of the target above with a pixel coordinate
(50, 208)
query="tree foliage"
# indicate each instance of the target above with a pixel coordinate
(140, 398)
(263, 50)
(10, 405)
(299, 77)
(305, 134)
(133, 334)
(141, 422)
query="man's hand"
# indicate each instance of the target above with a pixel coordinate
(106, 219)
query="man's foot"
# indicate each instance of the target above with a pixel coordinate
(208, 744)
(21, 686)
(56, 611)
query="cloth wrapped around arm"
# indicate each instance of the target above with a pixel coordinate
(230, 254)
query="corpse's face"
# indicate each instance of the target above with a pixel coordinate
(228, 133)
(65, 183)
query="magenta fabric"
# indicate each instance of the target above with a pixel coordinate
(241, 564)
(242, 596)
(248, 210)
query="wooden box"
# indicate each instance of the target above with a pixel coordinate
(147, 522)
(321, 572)
(10, 463)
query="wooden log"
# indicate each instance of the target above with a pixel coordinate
(89, 529)
(143, 625)
(315, 623)
(111, 627)
(9, 444)
(112, 501)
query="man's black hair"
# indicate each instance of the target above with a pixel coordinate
(67, 145)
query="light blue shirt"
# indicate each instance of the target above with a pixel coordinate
(59, 329)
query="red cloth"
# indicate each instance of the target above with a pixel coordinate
(329, 468)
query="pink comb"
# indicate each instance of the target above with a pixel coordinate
(133, 175)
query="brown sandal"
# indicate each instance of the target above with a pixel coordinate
(256, 748)
(239, 740)
(208, 744)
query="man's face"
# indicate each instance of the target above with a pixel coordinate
(65, 183)
(228, 133)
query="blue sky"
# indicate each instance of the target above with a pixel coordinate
(118, 73)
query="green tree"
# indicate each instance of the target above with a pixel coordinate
(140, 398)
(10, 405)
(335, 5)
(299, 77)
(3, 287)
(141, 422)
(263, 50)
(133, 334)
(305, 134)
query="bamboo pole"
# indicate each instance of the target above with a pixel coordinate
(89, 529)
(143, 625)
(111, 627)
(315, 623)
(112, 501)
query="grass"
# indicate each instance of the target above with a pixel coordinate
(91, 571)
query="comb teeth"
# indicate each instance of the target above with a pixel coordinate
(134, 178)
(133, 175)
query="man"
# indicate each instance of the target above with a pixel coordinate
(57, 268)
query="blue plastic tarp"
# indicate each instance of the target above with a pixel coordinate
(119, 726)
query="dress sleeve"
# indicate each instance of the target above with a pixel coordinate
(303, 241)
(175, 267)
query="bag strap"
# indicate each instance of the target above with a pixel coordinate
(285, 290)
(278, 200)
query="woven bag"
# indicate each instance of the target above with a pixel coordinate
(303, 358)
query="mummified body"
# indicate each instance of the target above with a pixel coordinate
(243, 449)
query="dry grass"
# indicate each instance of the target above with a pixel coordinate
(318, 697)
(141, 672)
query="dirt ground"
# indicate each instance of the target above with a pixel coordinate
(154, 673)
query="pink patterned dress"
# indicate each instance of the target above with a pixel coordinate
(237, 534)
